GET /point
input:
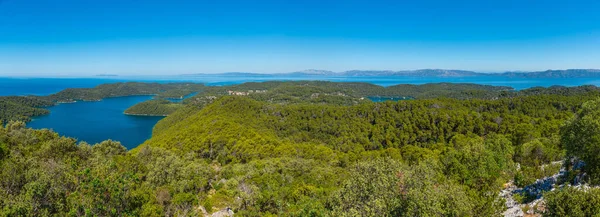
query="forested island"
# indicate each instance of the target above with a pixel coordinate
(157, 107)
(312, 148)
(125, 89)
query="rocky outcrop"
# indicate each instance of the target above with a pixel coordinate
(227, 212)
(540, 186)
(535, 191)
(513, 207)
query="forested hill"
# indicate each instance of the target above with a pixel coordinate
(334, 93)
(21, 108)
(157, 107)
(279, 149)
(231, 122)
(275, 153)
(301, 89)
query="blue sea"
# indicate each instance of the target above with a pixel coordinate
(94, 122)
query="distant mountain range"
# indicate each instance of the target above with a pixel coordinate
(412, 73)
(569, 73)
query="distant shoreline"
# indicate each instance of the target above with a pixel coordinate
(99, 100)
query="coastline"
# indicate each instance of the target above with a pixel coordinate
(146, 115)
(99, 100)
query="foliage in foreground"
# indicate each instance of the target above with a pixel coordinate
(45, 174)
(581, 137)
(570, 201)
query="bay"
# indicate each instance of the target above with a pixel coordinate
(95, 122)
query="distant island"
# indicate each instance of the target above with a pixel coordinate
(444, 73)
(106, 75)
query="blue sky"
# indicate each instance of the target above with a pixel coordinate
(139, 37)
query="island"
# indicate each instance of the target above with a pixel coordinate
(158, 107)
(107, 75)
(125, 89)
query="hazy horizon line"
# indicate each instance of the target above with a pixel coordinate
(113, 75)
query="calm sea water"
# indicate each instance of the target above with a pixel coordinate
(94, 122)
(98, 121)
(383, 99)
(45, 86)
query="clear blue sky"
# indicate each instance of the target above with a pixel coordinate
(134, 37)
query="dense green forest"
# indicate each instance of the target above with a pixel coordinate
(319, 149)
(307, 90)
(348, 93)
(21, 108)
(158, 107)
(180, 93)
